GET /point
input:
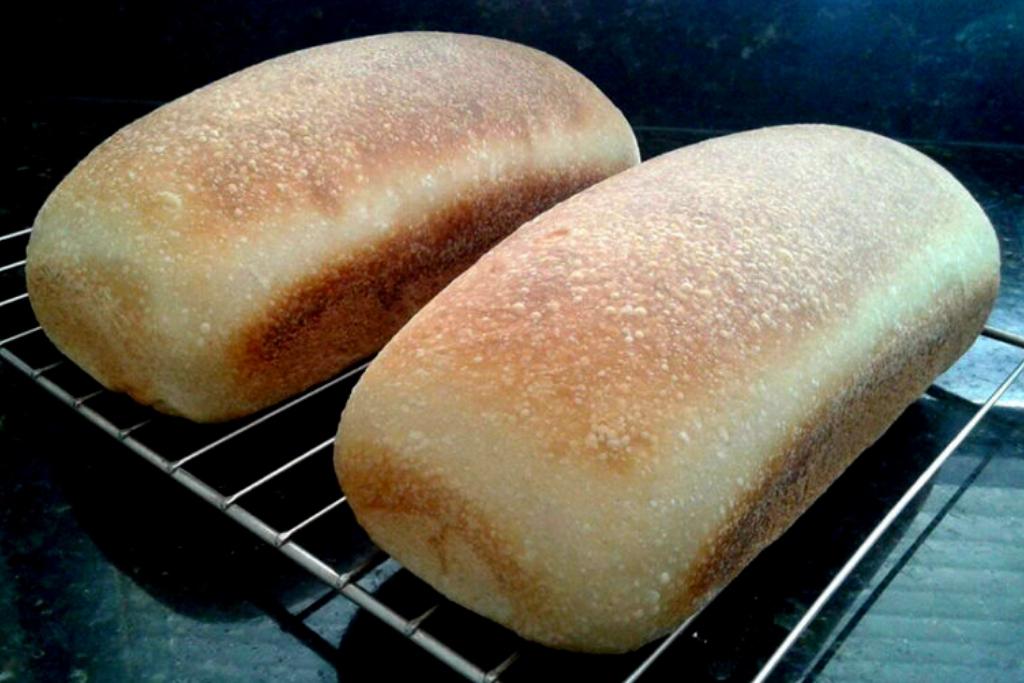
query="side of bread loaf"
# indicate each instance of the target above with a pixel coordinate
(593, 429)
(256, 236)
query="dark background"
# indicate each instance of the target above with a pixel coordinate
(944, 69)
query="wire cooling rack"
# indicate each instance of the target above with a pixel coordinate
(187, 453)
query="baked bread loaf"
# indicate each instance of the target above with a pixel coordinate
(259, 234)
(593, 429)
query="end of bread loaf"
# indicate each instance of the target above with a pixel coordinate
(260, 234)
(591, 431)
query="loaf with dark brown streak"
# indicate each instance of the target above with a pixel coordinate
(591, 431)
(258, 235)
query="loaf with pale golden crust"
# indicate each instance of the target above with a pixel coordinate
(258, 235)
(592, 430)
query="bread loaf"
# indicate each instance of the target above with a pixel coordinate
(592, 430)
(258, 235)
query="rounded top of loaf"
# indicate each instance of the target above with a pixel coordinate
(667, 280)
(215, 236)
(306, 131)
(577, 437)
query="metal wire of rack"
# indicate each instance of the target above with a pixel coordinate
(182, 468)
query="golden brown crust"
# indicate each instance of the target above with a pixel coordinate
(314, 127)
(647, 383)
(108, 322)
(436, 515)
(234, 220)
(829, 440)
(328, 320)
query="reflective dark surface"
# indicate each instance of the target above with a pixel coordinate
(937, 70)
(110, 571)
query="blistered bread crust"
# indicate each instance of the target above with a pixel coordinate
(593, 429)
(259, 234)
